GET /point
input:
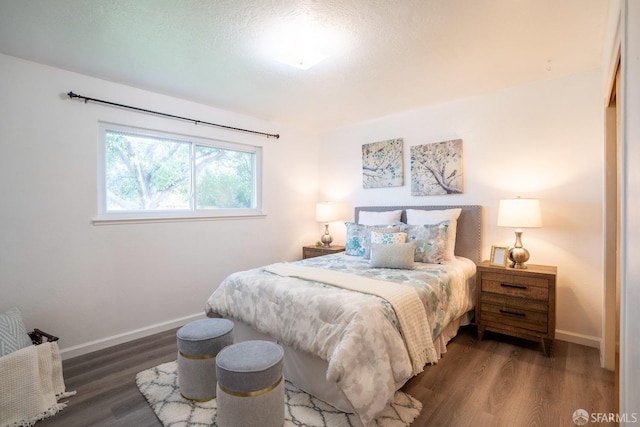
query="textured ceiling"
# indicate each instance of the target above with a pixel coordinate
(391, 56)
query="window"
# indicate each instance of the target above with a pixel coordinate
(152, 175)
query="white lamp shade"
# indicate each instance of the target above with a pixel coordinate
(327, 212)
(519, 213)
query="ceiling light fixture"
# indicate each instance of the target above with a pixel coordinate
(301, 57)
(302, 43)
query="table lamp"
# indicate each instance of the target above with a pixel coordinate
(327, 212)
(519, 213)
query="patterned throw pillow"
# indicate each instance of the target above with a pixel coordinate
(359, 237)
(388, 238)
(431, 241)
(356, 239)
(13, 333)
(420, 217)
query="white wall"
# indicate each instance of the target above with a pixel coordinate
(544, 140)
(96, 286)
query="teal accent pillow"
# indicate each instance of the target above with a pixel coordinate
(430, 240)
(356, 239)
(420, 217)
(13, 333)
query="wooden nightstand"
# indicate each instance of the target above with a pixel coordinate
(520, 303)
(314, 251)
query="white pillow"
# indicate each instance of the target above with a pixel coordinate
(379, 218)
(419, 217)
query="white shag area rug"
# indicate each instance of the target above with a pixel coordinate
(159, 385)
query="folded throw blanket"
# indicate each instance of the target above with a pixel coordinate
(31, 383)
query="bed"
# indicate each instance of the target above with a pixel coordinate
(357, 325)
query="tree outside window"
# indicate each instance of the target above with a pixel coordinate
(150, 172)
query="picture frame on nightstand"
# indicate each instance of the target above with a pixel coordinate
(499, 255)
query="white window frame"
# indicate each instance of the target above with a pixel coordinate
(192, 213)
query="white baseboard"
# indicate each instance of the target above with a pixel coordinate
(79, 350)
(586, 340)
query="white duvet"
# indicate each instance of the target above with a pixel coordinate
(356, 333)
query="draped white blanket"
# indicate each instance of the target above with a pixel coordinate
(410, 311)
(31, 384)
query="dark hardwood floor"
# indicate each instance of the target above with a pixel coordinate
(105, 383)
(499, 381)
(504, 381)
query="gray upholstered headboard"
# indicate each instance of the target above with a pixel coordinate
(468, 235)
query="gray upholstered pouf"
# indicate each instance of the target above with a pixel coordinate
(199, 343)
(250, 390)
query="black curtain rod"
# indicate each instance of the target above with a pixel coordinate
(196, 122)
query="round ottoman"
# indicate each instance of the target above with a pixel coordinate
(250, 385)
(198, 344)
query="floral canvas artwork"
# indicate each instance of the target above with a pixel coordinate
(436, 168)
(382, 164)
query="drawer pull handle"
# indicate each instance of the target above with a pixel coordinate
(511, 285)
(513, 313)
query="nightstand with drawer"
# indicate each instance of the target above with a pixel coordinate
(314, 251)
(517, 302)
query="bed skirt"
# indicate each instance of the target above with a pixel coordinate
(309, 373)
